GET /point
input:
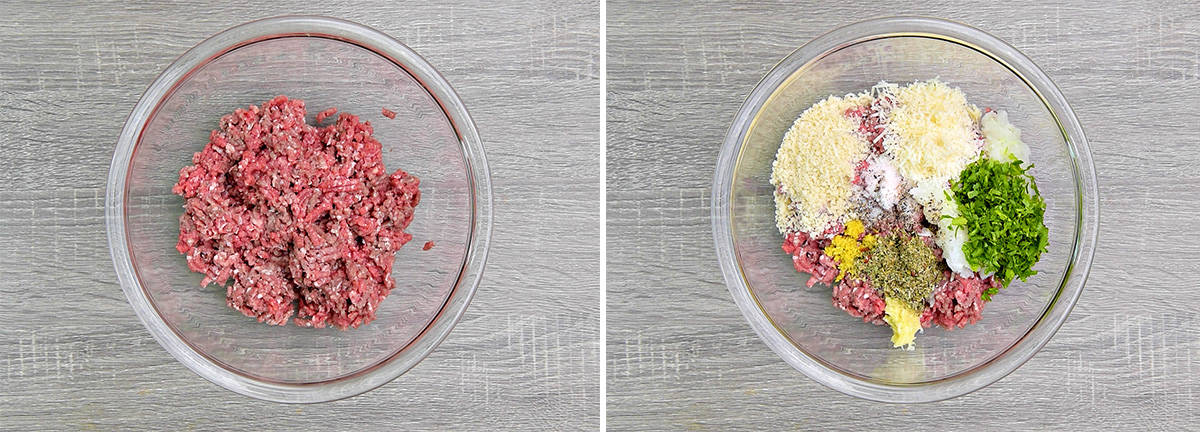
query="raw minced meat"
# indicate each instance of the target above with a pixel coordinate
(957, 303)
(321, 116)
(808, 256)
(859, 299)
(294, 219)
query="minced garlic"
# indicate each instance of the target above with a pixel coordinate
(904, 321)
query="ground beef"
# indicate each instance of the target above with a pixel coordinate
(321, 116)
(859, 169)
(859, 299)
(957, 302)
(870, 124)
(302, 220)
(808, 256)
(906, 216)
(388, 113)
(852, 295)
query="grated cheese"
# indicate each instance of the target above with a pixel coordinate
(815, 164)
(931, 134)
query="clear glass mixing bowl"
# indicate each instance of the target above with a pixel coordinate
(801, 324)
(327, 63)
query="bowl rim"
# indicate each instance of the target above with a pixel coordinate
(1087, 217)
(474, 259)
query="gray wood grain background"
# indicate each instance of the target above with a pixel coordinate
(74, 356)
(680, 355)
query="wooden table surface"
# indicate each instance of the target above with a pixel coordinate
(526, 355)
(679, 353)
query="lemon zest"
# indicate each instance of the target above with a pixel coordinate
(845, 248)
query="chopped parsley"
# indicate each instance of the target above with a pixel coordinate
(1002, 210)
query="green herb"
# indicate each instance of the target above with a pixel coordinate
(1002, 211)
(903, 267)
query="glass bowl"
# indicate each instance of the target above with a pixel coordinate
(327, 63)
(801, 324)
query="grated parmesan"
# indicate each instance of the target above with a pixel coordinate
(815, 164)
(931, 134)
